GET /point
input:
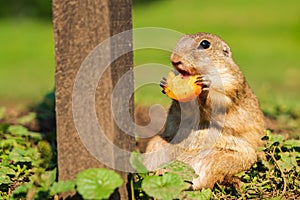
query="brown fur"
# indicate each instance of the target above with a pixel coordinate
(220, 137)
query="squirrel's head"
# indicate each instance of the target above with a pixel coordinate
(197, 53)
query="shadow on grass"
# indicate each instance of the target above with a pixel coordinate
(45, 123)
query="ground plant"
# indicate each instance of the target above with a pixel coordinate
(28, 168)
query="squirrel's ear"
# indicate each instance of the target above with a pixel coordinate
(226, 51)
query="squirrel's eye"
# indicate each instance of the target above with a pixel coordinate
(204, 44)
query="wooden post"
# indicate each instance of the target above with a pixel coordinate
(79, 26)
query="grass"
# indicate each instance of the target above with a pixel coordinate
(26, 61)
(264, 37)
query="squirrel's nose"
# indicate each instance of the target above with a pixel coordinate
(175, 59)
(176, 64)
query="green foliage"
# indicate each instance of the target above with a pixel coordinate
(182, 169)
(29, 8)
(40, 186)
(170, 182)
(27, 171)
(136, 163)
(45, 112)
(275, 177)
(97, 183)
(204, 194)
(62, 186)
(25, 160)
(167, 186)
(27, 168)
(27, 118)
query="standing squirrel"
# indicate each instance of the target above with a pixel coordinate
(218, 132)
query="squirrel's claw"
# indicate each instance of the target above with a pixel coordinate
(204, 82)
(163, 82)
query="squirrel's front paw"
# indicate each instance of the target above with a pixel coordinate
(181, 88)
(166, 90)
(163, 84)
(204, 82)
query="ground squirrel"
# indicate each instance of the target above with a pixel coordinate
(217, 133)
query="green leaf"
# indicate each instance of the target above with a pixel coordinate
(275, 198)
(182, 169)
(27, 118)
(137, 164)
(62, 186)
(276, 140)
(22, 189)
(34, 135)
(18, 130)
(4, 128)
(167, 186)
(204, 194)
(292, 143)
(4, 179)
(8, 143)
(286, 162)
(97, 183)
(7, 170)
(19, 155)
(5, 161)
(48, 178)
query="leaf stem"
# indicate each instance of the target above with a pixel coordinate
(281, 171)
(132, 188)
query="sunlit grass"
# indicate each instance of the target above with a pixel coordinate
(264, 37)
(26, 60)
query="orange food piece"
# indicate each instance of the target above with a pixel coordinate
(182, 88)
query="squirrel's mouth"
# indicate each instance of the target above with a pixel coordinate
(183, 69)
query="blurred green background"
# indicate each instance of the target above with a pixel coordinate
(264, 37)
